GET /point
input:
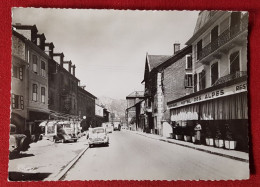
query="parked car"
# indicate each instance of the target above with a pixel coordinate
(17, 141)
(65, 135)
(98, 135)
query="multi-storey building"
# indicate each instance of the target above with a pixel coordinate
(101, 114)
(19, 82)
(86, 107)
(219, 72)
(169, 78)
(132, 99)
(37, 84)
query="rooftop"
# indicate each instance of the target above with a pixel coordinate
(156, 60)
(136, 94)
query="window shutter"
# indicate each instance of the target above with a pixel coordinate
(21, 102)
(195, 82)
(13, 101)
(186, 81)
(21, 73)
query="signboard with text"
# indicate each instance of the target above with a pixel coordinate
(230, 90)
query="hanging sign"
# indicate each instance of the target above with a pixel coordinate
(230, 90)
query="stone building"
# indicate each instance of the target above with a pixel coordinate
(86, 107)
(166, 78)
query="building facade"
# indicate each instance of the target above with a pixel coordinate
(37, 80)
(132, 99)
(86, 108)
(219, 73)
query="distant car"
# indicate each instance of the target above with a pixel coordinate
(97, 136)
(123, 128)
(18, 142)
(108, 126)
(117, 126)
(65, 135)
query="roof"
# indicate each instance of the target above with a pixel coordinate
(136, 94)
(203, 18)
(156, 60)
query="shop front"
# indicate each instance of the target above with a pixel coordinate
(222, 112)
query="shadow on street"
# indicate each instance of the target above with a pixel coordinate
(20, 176)
(21, 155)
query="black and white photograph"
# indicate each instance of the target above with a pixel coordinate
(104, 94)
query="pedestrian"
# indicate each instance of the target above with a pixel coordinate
(197, 130)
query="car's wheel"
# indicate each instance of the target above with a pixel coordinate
(75, 140)
(24, 144)
(90, 145)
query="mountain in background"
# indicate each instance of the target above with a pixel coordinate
(116, 106)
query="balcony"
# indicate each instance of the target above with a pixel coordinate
(233, 34)
(230, 77)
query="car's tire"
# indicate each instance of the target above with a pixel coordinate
(24, 144)
(75, 140)
(90, 145)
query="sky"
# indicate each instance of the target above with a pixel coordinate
(109, 47)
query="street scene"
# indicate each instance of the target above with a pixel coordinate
(116, 97)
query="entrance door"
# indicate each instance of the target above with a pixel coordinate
(214, 73)
(234, 62)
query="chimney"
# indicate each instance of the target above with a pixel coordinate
(73, 70)
(176, 47)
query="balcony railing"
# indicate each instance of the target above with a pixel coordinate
(230, 77)
(223, 38)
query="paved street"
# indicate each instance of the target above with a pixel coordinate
(134, 157)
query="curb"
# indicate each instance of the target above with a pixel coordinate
(200, 149)
(66, 169)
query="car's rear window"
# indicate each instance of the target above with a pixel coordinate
(98, 131)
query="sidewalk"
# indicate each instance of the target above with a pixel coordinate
(236, 155)
(45, 160)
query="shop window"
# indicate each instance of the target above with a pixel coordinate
(17, 72)
(34, 63)
(202, 80)
(34, 92)
(199, 49)
(214, 73)
(234, 62)
(17, 102)
(42, 94)
(43, 70)
(188, 81)
(188, 62)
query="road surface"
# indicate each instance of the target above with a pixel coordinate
(134, 157)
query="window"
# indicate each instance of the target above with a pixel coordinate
(43, 71)
(202, 80)
(188, 81)
(188, 62)
(234, 62)
(34, 92)
(214, 73)
(42, 94)
(17, 102)
(35, 64)
(17, 72)
(199, 49)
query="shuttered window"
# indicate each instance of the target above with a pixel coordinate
(17, 102)
(34, 92)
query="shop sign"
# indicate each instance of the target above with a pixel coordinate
(237, 88)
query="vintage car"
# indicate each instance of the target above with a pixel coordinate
(18, 142)
(108, 126)
(97, 136)
(65, 135)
